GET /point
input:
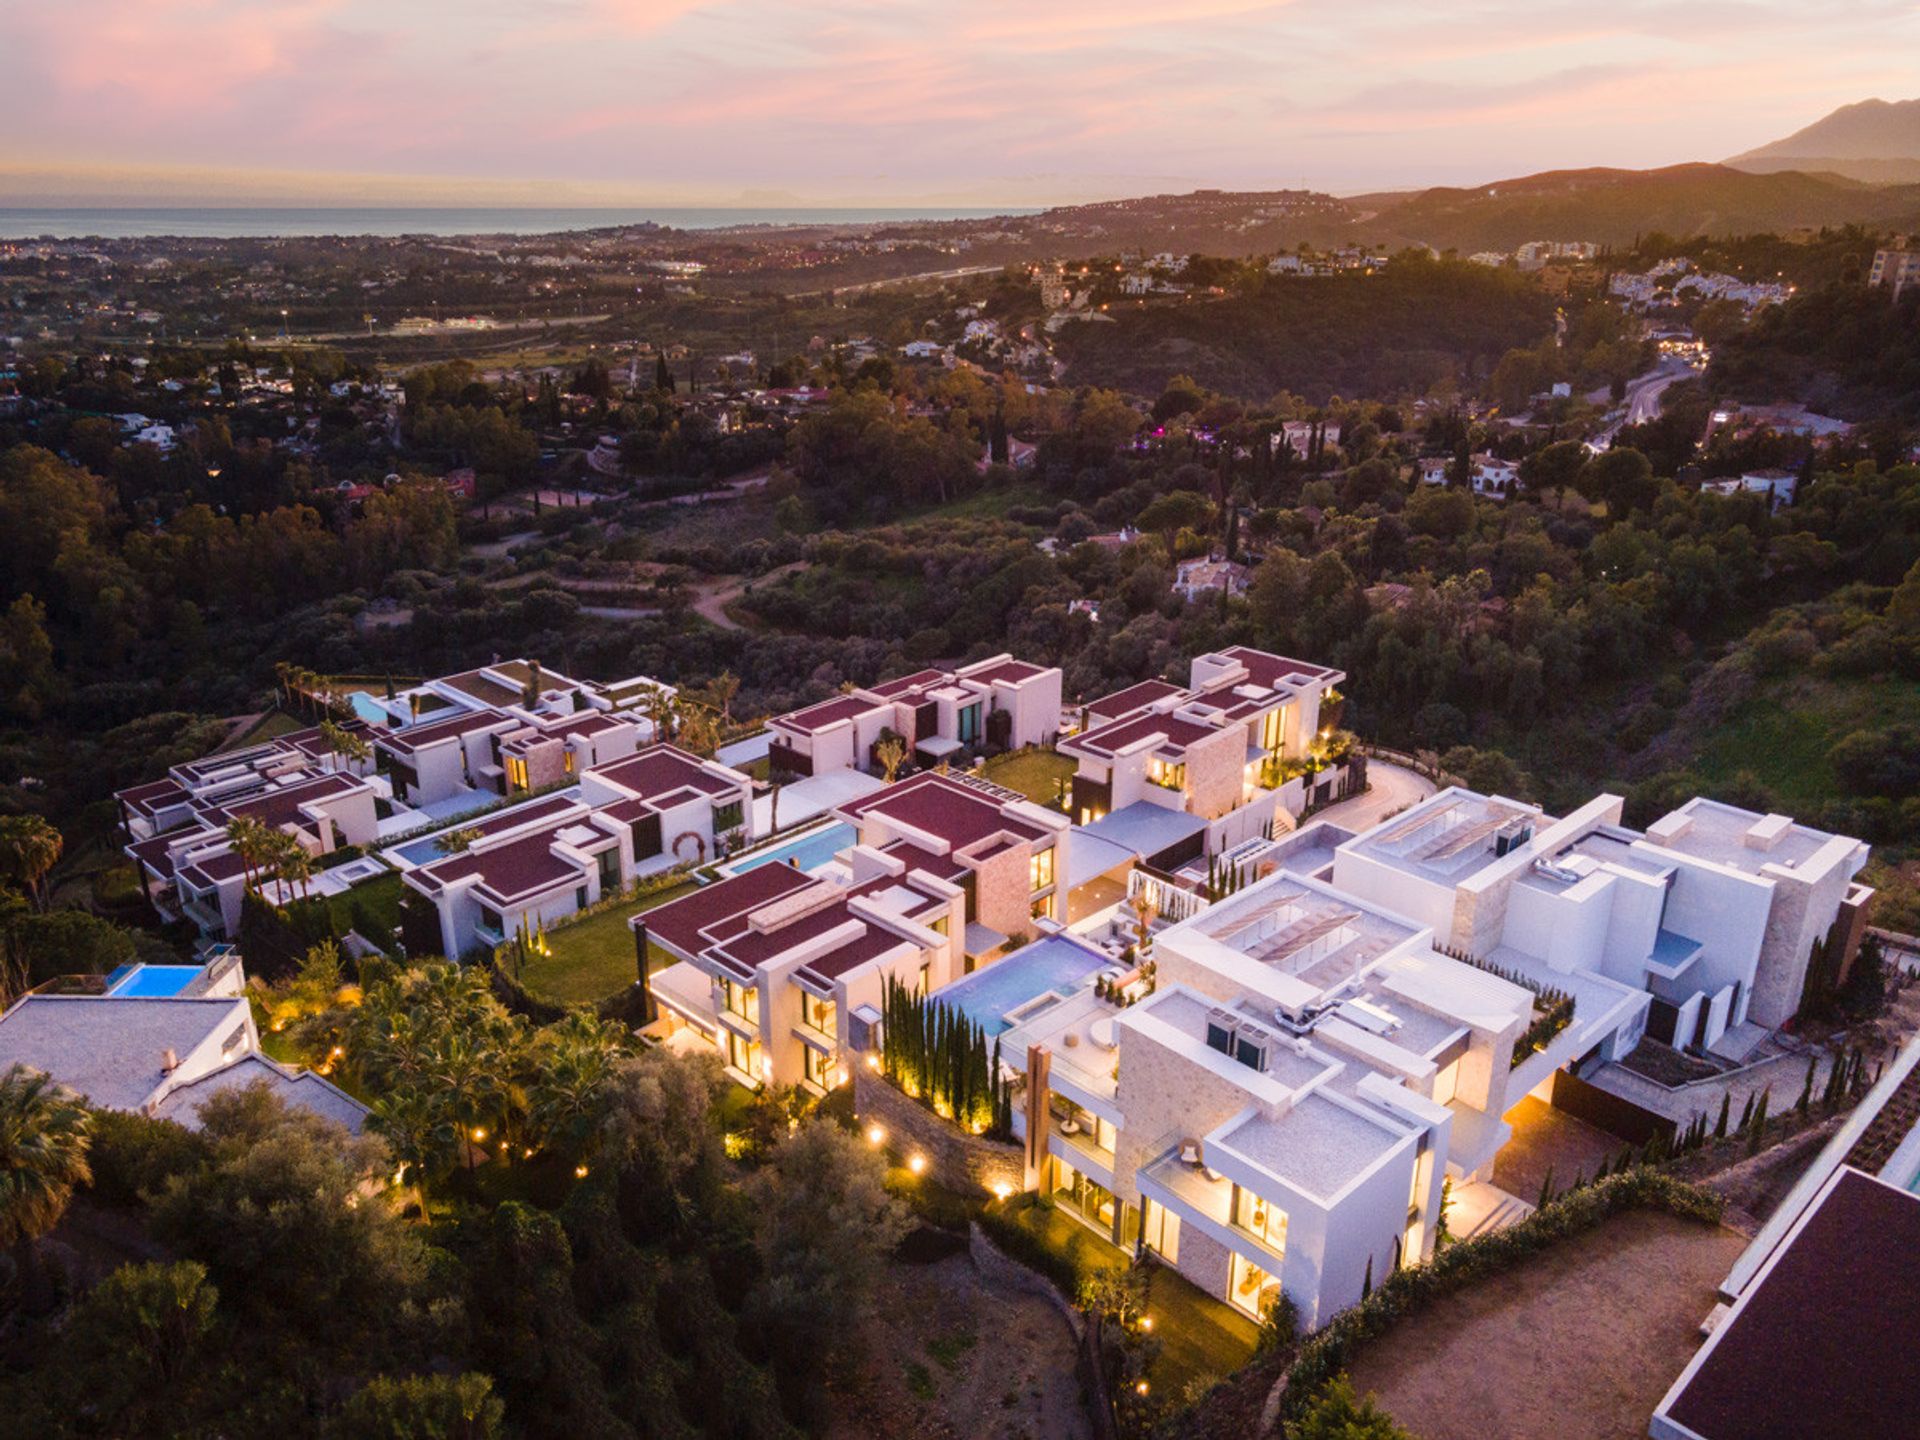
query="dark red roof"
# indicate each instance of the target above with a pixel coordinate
(1821, 1345)
(415, 737)
(662, 773)
(943, 806)
(1012, 671)
(282, 806)
(1121, 733)
(827, 712)
(1124, 702)
(919, 680)
(682, 923)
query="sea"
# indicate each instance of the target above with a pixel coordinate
(254, 222)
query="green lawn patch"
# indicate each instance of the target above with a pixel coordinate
(379, 899)
(593, 958)
(1201, 1338)
(1784, 732)
(1036, 774)
(267, 727)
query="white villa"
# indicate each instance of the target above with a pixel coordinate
(937, 713)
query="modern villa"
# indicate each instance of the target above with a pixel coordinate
(1271, 1094)
(529, 865)
(1170, 772)
(936, 713)
(160, 1040)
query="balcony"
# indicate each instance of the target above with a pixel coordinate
(1204, 1199)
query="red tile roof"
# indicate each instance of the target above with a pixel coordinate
(1123, 702)
(662, 774)
(815, 718)
(941, 805)
(683, 923)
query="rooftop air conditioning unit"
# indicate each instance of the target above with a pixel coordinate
(1222, 1026)
(1252, 1046)
(1512, 836)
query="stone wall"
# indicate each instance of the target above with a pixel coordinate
(1216, 772)
(1001, 890)
(963, 1162)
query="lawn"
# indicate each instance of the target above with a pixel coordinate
(379, 898)
(1200, 1338)
(593, 958)
(270, 725)
(1784, 732)
(1036, 774)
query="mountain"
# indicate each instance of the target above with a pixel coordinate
(1611, 207)
(1877, 141)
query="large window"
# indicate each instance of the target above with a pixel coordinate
(1170, 773)
(1043, 908)
(743, 1055)
(738, 999)
(819, 1067)
(817, 1014)
(969, 723)
(1160, 1229)
(1271, 727)
(1260, 1218)
(727, 817)
(1040, 869)
(517, 773)
(1250, 1287)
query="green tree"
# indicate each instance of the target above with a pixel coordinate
(136, 1351)
(43, 1155)
(1338, 1414)
(29, 849)
(423, 1407)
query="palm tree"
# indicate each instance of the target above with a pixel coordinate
(571, 1065)
(891, 752)
(350, 747)
(29, 847)
(292, 866)
(44, 1130)
(1145, 909)
(420, 1131)
(663, 708)
(252, 841)
(699, 730)
(721, 690)
(457, 841)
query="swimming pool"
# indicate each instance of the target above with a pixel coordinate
(151, 982)
(420, 852)
(368, 708)
(1051, 964)
(808, 851)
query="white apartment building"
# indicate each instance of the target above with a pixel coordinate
(937, 713)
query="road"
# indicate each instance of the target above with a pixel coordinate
(1390, 789)
(959, 273)
(1644, 394)
(711, 604)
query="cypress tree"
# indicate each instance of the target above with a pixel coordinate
(1546, 1189)
(1366, 1284)
(1806, 1088)
(1746, 1113)
(1720, 1125)
(662, 376)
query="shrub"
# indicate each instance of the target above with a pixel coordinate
(1405, 1292)
(1029, 1249)
(134, 1155)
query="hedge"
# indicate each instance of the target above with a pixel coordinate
(1330, 1350)
(1020, 1243)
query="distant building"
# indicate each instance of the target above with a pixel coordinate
(1895, 268)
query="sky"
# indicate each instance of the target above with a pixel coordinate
(962, 102)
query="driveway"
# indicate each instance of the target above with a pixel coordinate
(1390, 789)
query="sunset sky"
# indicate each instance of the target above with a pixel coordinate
(966, 102)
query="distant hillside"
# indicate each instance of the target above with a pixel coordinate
(1877, 141)
(1611, 207)
(1352, 335)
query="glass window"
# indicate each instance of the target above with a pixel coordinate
(819, 1067)
(926, 977)
(817, 1014)
(1250, 1287)
(727, 817)
(1160, 1230)
(1043, 908)
(1170, 773)
(517, 773)
(969, 724)
(1270, 730)
(738, 999)
(1260, 1218)
(1040, 869)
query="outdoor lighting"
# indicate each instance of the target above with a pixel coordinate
(479, 1134)
(1141, 1388)
(873, 1062)
(1146, 1322)
(875, 1134)
(579, 1172)
(1001, 1189)
(917, 1163)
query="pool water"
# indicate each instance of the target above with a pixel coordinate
(151, 982)
(421, 852)
(1050, 964)
(368, 708)
(808, 852)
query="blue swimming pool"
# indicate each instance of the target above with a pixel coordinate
(368, 708)
(420, 852)
(808, 851)
(1051, 963)
(151, 982)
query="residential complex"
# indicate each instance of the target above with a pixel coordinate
(935, 713)
(1169, 772)
(782, 971)
(1270, 1094)
(159, 1040)
(529, 865)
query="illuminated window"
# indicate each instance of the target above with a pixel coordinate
(738, 999)
(1040, 869)
(1271, 724)
(1043, 908)
(1260, 1218)
(817, 1014)
(566, 760)
(819, 1067)
(1170, 773)
(517, 773)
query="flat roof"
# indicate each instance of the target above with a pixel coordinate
(1718, 835)
(1117, 735)
(1125, 702)
(1821, 1344)
(1144, 828)
(1445, 838)
(415, 737)
(815, 718)
(683, 923)
(657, 773)
(1317, 1144)
(942, 805)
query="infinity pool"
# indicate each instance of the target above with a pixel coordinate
(808, 851)
(1051, 964)
(151, 982)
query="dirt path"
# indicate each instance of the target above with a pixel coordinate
(948, 1355)
(1580, 1343)
(711, 597)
